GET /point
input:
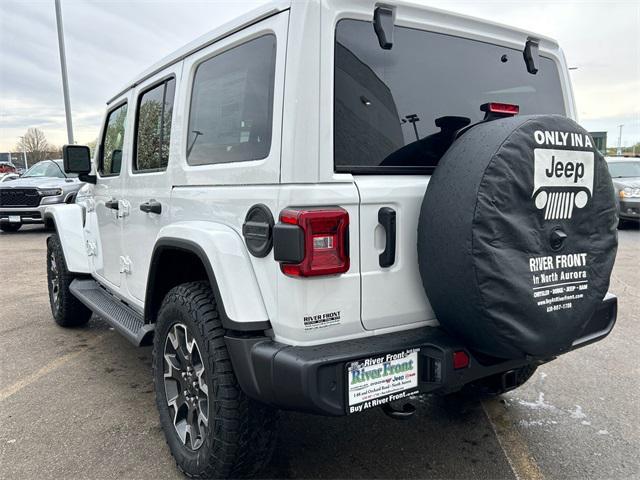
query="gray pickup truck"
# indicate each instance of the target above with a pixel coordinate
(24, 199)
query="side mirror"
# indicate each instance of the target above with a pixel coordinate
(76, 159)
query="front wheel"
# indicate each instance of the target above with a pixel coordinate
(213, 430)
(66, 309)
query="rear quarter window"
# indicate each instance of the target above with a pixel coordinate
(397, 110)
(231, 113)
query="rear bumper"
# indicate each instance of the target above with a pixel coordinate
(313, 379)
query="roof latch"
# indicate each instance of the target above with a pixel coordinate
(383, 25)
(531, 55)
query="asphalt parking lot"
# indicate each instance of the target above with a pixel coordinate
(79, 404)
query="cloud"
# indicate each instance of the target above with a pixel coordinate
(109, 42)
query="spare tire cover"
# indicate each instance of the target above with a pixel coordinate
(517, 235)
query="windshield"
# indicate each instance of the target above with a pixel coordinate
(419, 93)
(624, 169)
(47, 168)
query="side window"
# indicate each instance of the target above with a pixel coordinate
(232, 105)
(112, 141)
(153, 127)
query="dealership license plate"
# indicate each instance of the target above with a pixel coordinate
(374, 381)
(14, 218)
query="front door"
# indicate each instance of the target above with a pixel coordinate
(109, 206)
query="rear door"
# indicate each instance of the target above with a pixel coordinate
(396, 112)
(147, 178)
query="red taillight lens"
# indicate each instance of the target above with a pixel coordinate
(326, 241)
(460, 359)
(506, 109)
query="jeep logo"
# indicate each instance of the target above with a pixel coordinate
(563, 180)
(568, 169)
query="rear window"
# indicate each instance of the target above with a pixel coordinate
(395, 111)
(627, 169)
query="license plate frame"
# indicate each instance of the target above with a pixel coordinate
(373, 381)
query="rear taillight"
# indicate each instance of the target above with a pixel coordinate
(312, 241)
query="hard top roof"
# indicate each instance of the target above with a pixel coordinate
(276, 6)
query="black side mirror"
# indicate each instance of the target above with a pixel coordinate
(76, 159)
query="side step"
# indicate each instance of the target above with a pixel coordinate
(123, 318)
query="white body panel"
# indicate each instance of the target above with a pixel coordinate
(404, 301)
(68, 221)
(230, 261)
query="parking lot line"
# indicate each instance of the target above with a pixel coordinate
(49, 367)
(513, 446)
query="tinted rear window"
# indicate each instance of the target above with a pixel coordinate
(396, 110)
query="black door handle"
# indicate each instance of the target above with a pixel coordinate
(112, 204)
(152, 206)
(387, 218)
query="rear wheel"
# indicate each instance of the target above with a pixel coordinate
(10, 227)
(66, 309)
(213, 430)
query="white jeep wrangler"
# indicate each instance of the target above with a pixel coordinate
(328, 206)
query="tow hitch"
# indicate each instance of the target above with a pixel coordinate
(404, 413)
(509, 380)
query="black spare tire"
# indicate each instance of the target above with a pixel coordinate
(517, 235)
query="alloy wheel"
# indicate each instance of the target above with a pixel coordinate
(55, 281)
(185, 386)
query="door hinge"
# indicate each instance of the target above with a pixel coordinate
(92, 248)
(125, 264)
(124, 208)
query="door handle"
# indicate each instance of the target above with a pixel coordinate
(152, 206)
(112, 204)
(387, 218)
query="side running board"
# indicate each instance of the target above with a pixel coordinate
(123, 318)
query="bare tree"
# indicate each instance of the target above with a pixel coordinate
(35, 144)
(55, 152)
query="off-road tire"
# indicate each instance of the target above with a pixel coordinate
(492, 387)
(67, 311)
(241, 435)
(10, 227)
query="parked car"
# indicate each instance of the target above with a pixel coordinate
(625, 173)
(5, 177)
(23, 200)
(7, 167)
(354, 203)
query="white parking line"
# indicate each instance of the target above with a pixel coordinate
(514, 447)
(49, 367)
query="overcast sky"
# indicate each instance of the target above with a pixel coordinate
(109, 42)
